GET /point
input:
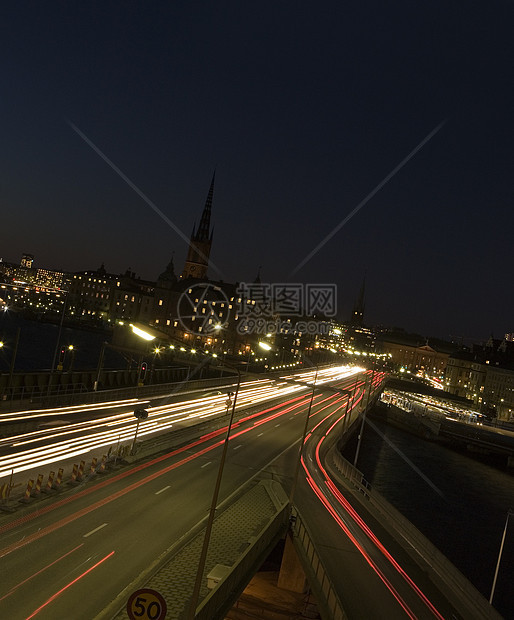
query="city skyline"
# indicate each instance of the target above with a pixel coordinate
(302, 114)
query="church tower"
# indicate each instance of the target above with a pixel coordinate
(197, 260)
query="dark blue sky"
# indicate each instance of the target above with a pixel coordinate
(303, 108)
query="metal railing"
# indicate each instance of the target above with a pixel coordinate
(327, 598)
(450, 576)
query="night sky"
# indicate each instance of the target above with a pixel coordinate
(303, 108)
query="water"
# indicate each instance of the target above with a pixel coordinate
(465, 521)
(38, 341)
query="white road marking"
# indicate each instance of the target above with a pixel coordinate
(277, 425)
(162, 490)
(95, 530)
(239, 446)
(260, 434)
(205, 465)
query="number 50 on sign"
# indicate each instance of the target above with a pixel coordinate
(146, 604)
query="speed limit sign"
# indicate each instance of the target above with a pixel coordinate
(146, 604)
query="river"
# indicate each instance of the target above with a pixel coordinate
(464, 518)
(38, 342)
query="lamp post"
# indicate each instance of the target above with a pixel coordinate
(13, 360)
(71, 349)
(305, 428)
(345, 421)
(248, 359)
(141, 414)
(499, 556)
(156, 352)
(372, 377)
(56, 350)
(212, 512)
(99, 367)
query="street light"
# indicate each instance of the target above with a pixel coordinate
(71, 349)
(13, 360)
(304, 435)
(345, 420)
(141, 414)
(510, 512)
(56, 350)
(210, 521)
(372, 378)
(142, 333)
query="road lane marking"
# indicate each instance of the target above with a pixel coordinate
(120, 493)
(162, 490)
(239, 446)
(205, 464)
(260, 434)
(40, 571)
(95, 530)
(54, 596)
(277, 425)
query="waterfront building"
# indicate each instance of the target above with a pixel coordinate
(90, 294)
(416, 354)
(485, 375)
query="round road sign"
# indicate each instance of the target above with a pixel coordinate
(146, 604)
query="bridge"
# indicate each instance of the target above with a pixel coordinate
(101, 540)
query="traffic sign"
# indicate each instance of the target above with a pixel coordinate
(146, 604)
(141, 413)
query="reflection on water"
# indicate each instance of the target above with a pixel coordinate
(466, 523)
(38, 341)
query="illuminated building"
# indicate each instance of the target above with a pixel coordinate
(132, 299)
(89, 295)
(27, 260)
(485, 375)
(415, 354)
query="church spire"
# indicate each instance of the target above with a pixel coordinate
(204, 233)
(201, 240)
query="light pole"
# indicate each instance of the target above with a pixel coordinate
(345, 421)
(212, 512)
(99, 367)
(56, 350)
(372, 377)
(248, 359)
(499, 556)
(71, 348)
(141, 414)
(13, 360)
(304, 435)
(156, 352)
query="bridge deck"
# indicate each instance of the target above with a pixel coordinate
(241, 538)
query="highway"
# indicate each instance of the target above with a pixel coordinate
(383, 581)
(69, 556)
(80, 429)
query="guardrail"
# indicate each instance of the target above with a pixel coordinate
(450, 576)
(328, 601)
